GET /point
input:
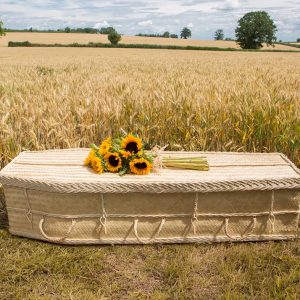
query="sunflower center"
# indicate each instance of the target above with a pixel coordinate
(141, 166)
(113, 160)
(132, 147)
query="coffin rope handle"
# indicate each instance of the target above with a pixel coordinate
(63, 238)
(194, 218)
(135, 230)
(271, 215)
(244, 235)
(29, 215)
(102, 219)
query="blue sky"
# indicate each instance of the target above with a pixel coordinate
(151, 16)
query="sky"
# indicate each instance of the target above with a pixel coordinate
(203, 17)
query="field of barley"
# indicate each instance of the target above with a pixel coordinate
(191, 100)
(69, 38)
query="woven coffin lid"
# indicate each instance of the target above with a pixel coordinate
(63, 171)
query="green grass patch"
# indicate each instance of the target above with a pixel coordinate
(36, 270)
(139, 46)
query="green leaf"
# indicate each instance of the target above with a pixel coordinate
(123, 171)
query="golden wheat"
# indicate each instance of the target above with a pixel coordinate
(60, 98)
(68, 38)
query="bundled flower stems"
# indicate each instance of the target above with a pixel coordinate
(192, 163)
(127, 155)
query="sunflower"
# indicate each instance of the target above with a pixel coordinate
(113, 161)
(88, 160)
(131, 144)
(97, 165)
(140, 166)
(125, 154)
(105, 147)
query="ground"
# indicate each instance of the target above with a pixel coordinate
(37, 270)
(192, 100)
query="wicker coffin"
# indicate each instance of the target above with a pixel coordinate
(52, 196)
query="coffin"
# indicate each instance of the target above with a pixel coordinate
(52, 196)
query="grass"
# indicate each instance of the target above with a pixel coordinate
(139, 46)
(36, 270)
(224, 101)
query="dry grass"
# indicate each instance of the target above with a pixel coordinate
(68, 38)
(56, 98)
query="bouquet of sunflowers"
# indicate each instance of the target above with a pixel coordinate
(122, 156)
(127, 155)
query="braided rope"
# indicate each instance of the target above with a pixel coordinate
(103, 217)
(194, 218)
(272, 216)
(152, 187)
(29, 214)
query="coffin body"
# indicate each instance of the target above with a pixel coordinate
(52, 196)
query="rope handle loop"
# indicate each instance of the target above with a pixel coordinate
(243, 236)
(52, 239)
(135, 230)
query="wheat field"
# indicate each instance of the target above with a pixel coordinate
(57, 98)
(69, 38)
(192, 100)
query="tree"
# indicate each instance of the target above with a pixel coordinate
(107, 30)
(298, 40)
(174, 36)
(254, 29)
(2, 32)
(166, 34)
(67, 29)
(114, 38)
(219, 35)
(185, 33)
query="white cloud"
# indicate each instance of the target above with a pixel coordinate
(190, 25)
(145, 23)
(232, 3)
(101, 24)
(150, 16)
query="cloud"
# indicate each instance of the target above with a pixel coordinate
(232, 3)
(202, 16)
(145, 23)
(101, 24)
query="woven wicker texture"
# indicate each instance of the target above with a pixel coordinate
(63, 171)
(51, 196)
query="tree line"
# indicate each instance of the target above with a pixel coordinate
(253, 30)
(166, 34)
